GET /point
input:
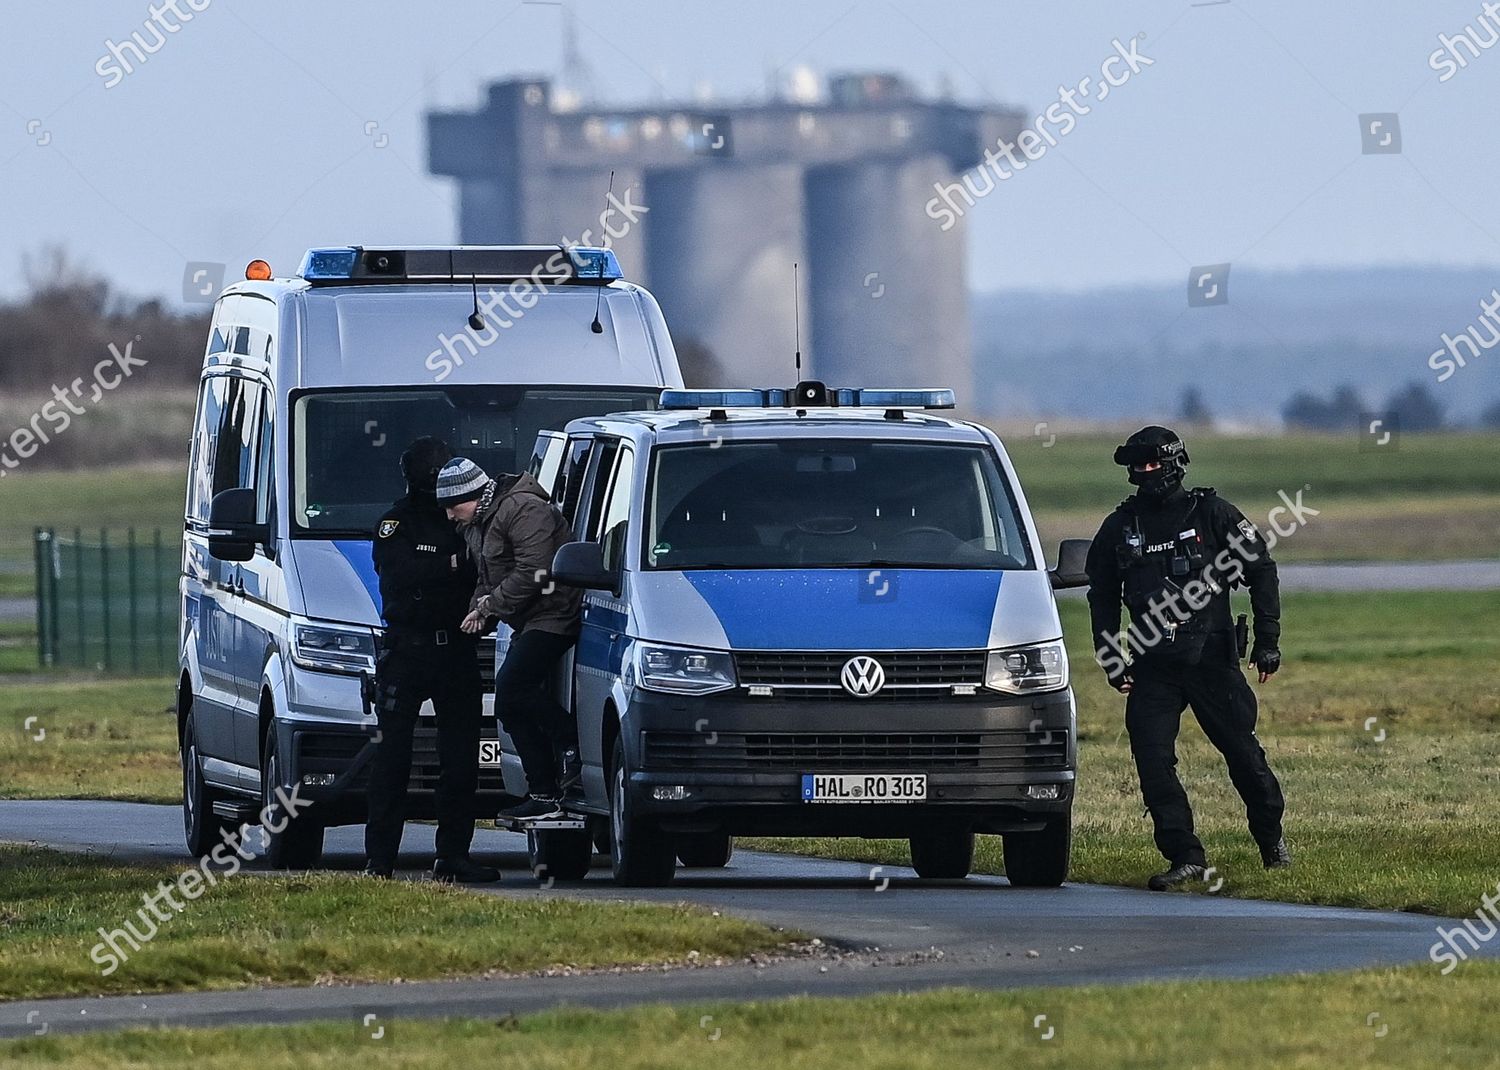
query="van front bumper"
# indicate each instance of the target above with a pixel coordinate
(736, 763)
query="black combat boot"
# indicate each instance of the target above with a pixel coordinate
(1178, 874)
(535, 807)
(1276, 855)
(464, 871)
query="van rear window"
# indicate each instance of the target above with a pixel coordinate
(347, 444)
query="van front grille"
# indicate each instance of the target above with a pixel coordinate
(815, 674)
(1001, 751)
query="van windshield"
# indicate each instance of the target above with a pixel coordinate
(831, 504)
(347, 444)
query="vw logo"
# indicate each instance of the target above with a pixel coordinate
(862, 676)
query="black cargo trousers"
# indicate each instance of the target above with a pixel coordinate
(415, 667)
(1225, 707)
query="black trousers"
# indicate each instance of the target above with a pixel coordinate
(407, 675)
(1225, 707)
(536, 723)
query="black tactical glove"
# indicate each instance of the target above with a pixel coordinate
(1119, 680)
(1265, 658)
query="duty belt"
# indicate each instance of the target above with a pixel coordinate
(410, 637)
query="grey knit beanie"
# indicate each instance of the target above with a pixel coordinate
(461, 480)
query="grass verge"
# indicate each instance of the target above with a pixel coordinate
(1409, 1017)
(92, 739)
(271, 929)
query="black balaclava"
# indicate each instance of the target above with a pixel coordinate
(420, 465)
(1158, 444)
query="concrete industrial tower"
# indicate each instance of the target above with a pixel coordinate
(733, 196)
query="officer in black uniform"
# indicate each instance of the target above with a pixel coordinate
(426, 579)
(1172, 555)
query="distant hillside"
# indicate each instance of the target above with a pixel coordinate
(1129, 353)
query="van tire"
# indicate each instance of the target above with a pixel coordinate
(300, 844)
(705, 850)
(641, 855)
(1040, 859)
(943, 855)
(202, 828)
(560, 854)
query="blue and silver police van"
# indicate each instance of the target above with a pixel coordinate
(311, 388)
(816, 612)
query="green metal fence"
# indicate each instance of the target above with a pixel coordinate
(106, 602)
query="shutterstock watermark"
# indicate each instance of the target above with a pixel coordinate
(1488, 913)
(1166, 612)
(230, 855)
(1455, 52)
(954, 199)
(24, 442)
(1449, 359)
(116, 63)
(514, 300)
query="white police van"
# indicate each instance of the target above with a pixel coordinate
(311, 389)
(810, 612)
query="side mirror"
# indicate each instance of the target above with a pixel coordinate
(233, 533)
(1071, 556)
(581, 564)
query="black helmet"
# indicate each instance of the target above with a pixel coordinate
(422, 461)
(1159, 444)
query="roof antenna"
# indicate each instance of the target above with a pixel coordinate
(596, 326)
(476, 318)
(797, 321)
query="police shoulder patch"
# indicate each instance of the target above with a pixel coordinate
(388, 528)
(1247, 529)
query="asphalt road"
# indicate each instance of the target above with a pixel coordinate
(984, 930)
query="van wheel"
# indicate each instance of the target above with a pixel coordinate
(943, 855)
(560, 854)
(1040, 859)
(705, 850)
(299, 844)
(201, 826)
(641, 855)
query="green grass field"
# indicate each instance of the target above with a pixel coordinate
(89, 739)
(273, 929)
(1411, 1018)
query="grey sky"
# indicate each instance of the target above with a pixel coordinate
(246, 134)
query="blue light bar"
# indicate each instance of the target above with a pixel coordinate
(714, 399)
(594, 263)
(329, 263)
(840, 398)
(905, 399)
(578, 264)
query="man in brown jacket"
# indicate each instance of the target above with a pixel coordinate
(513, 529)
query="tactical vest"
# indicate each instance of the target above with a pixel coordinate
(1155, 576)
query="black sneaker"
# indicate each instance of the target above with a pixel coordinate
(462, 870)
(1181, 874)
(569, 771)
(1277, 855)
(373, 869)
(534, 808)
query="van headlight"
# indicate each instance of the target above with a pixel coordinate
(1019, 670)
(682, 670)
(331, 649)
